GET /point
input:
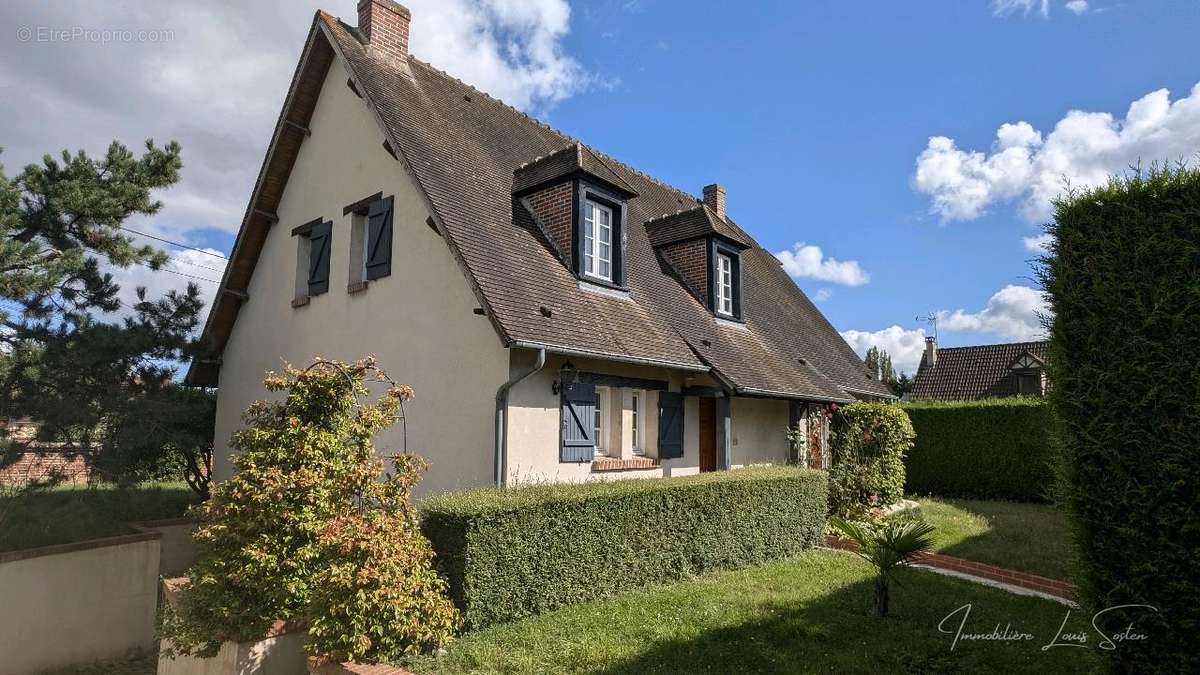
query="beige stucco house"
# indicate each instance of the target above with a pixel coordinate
(560, 315)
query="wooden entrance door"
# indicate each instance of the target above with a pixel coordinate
(708, 434)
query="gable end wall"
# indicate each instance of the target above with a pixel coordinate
(419, 321)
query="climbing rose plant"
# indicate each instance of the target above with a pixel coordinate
(312, 528)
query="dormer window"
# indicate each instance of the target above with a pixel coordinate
(580, 204)
(724, 297)
(597, 240)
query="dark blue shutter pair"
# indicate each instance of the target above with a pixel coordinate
(319, 238)
(578, 423)
(670, 425)
(379, 238)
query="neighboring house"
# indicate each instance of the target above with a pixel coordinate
(24, 459)
(982, 371)
(559, 314)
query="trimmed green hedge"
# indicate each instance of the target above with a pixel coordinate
(1124, 281)
(1002, 448)
(517, 552)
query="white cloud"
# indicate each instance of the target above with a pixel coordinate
(903, 345)
(216, 80)
(1012, 313)
(806, 261)
(185, 266)
(1077, 7)
(512, 49)
(1083, 149)
(1039, 244)
(1002, 7)
(823, 294)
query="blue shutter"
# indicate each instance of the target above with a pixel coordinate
(318, 257)
(578, 423)
(379, 238)
(670, 425)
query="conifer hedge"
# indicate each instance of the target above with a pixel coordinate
(1124, 282)
(521, 551)
(1002, 448)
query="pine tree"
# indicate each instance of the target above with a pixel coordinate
(65, 363)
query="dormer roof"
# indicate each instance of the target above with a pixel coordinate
(698, 221)
(571, 160)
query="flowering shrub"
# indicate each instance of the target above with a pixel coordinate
(868, 442)
(311, 528)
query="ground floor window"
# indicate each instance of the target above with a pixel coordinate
(601, 421)
(635, 407)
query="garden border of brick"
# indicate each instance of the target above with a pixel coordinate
(971, 568)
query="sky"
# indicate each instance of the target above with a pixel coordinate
(899, 158)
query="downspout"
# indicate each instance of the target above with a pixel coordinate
(501, 449)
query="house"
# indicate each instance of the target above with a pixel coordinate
(981, 371)
(561, 315)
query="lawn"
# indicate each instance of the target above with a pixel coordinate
(807, 614)
(1028, 537)
(74, 513)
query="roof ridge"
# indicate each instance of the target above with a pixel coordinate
(676, 213)
(568, 137)
(546, 156)
(998, 344)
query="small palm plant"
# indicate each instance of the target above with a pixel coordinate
(888, 546)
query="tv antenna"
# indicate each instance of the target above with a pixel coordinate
(932, 320)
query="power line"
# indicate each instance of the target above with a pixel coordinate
(173, 243)
(203, 267)
(190, 276)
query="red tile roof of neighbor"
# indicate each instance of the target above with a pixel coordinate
(468, 153)
(970, 373)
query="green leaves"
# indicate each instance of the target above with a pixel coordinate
(521, 551)
(994, 449)
(869, 441)
(1123, 276)
(311, 527)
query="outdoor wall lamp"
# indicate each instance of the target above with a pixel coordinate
(568, 376)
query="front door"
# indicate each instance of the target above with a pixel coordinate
(708, 434)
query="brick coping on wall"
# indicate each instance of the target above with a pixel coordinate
(613, 464)
(1030, 582)
(55, 549)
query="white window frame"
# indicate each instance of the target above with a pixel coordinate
(724, 284)
(600, 416)
(358, 248)
(637, 402)
(592, 242)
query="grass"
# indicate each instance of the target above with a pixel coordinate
(68, 514)
(807, 614)
(1032, 538)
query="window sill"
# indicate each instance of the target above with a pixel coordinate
(604, 464)
(357, 287)
(730, 322)
(301, 301)
(598, 287)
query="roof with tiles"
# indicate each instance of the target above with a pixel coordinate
(972, 373)
(574, 158)
(698, 221)
(468, 151)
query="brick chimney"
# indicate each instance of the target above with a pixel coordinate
(385, 25)
(930, 357)
(714, 197)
